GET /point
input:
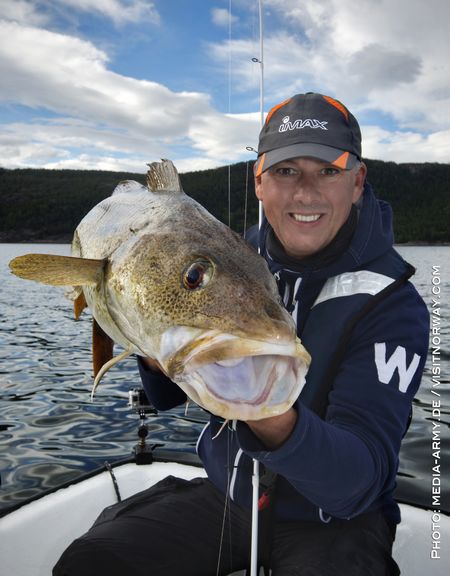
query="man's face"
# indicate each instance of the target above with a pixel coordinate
(307, 201)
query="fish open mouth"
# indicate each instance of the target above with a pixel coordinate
(240, 378)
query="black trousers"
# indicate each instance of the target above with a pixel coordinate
(177, 527)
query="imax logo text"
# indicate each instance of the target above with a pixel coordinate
(299, 124)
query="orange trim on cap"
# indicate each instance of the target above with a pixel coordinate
(275, 108)
(337, 105)
(341, 162)
(259, 170)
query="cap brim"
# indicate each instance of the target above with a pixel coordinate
(338, 158)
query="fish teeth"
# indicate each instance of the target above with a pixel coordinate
(306, 217)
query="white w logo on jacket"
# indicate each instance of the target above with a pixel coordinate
(386, 368)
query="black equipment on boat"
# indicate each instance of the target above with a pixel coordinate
(137, 400)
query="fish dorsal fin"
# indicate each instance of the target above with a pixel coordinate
(128, 187)
(163, 177)
(58, 270)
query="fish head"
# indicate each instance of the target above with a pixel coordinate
(163, 278)
(205, 305)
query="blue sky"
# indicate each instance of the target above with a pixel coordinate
(114, 84)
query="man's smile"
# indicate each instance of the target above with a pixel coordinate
(305, 217)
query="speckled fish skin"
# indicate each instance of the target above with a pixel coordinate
(228, 342)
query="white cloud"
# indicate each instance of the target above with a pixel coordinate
(405, 146)
(22, 11)
(69, 76)
(102, 112)
(68, 143)
(390, 56)
(41, 12)
(92, 162)
(386, 60)
(119, 11)
(221, 17)
(382, 57)
(237, 131)
(378, 67)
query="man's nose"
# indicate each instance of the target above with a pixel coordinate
(306, 190)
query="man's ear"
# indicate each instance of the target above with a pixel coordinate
(258, 184)
(360, 178)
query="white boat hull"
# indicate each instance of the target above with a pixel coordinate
(33, 537)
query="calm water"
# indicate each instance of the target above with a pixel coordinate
(51, 432)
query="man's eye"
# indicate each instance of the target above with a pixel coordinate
(330, 171)
(286, 171)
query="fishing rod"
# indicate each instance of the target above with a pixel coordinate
(255, 473)
(261, 89)
(260, 61)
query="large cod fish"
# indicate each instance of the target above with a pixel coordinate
(165, 279)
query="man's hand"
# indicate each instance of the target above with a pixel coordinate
(274, 431)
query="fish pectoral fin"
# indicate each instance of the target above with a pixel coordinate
(102, 352)
(220, 430)
(79, 305)
(106, 367)
(58, 270)
(102, 347)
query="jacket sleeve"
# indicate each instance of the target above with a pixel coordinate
(159, 389)
(343, 463)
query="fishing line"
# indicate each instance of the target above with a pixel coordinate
(246, 197)
(229, 196)
(224, 517)
(229, 104)
(261, 90)
(255, 474)
(227, 491)
(226, 508)
(229, 436)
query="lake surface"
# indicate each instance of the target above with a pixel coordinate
(50, 431)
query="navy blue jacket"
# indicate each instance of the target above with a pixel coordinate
(366, 329)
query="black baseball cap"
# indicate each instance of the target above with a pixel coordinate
(309, 125)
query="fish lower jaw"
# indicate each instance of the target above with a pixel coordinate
(248, 388)
(245, 412)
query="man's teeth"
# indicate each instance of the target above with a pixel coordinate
(306, 217)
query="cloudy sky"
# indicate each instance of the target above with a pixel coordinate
(113, 84)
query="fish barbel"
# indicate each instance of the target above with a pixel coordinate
(165, 279)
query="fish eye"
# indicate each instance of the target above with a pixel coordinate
(197, 275)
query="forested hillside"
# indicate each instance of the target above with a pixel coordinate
(46, 205)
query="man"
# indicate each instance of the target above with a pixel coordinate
(333, 456)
